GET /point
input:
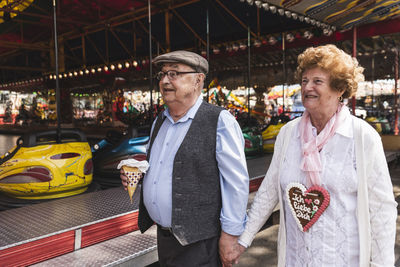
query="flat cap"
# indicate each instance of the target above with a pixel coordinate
(191, 59)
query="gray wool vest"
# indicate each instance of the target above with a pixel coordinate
(196, 192)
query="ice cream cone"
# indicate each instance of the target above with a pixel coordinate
(134, 175)
(131, 190)
(134, 171)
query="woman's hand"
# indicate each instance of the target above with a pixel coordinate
(241, 249)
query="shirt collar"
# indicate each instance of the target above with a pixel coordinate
(189, 115)
(345, 129)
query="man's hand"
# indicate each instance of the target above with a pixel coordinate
(229, 249)
(124, 179)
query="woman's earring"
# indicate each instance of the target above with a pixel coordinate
(340, 98)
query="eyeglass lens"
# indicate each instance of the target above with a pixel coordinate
(171, 74)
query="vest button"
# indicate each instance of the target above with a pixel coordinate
(178, 195)
(178, 209)
(177, 178)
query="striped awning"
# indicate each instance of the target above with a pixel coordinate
(342, 14)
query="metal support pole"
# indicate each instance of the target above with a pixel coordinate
(167, 31)
(83, 50)
(58, 110)
(150, 65)
(134, 39)
(396, 77)
(283, 71)
(208, 52)
(373, 79)
(353, 98)
(107, 46)
(248, 68)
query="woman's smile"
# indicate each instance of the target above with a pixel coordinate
(310, 96)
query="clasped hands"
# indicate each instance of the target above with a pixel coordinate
(229, 249)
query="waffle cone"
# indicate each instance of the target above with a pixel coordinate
(134, 175)
(131, 190)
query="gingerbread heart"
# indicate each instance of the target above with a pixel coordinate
(307, 205)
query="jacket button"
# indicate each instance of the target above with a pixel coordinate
(178, 209)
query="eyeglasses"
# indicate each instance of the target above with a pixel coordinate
(171, 74)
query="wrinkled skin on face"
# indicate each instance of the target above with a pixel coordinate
(180, 94)
(318, 97)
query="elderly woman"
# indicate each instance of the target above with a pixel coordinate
(329, 175)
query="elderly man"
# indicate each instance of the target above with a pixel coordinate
(196, 188)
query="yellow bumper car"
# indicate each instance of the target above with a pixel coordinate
(269, 137)
(47, 165)
(270, 133)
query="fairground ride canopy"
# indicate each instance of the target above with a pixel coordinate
(100, 40)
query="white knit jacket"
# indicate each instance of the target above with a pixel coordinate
(376, 207)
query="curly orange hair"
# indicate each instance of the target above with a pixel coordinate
(345, 72)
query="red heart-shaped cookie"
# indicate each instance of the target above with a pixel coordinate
(307, 205)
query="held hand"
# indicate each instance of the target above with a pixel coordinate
(229, 249)
(241, 250)
(123, 179)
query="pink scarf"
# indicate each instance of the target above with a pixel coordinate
(311, 145)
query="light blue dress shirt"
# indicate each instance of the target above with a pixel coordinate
(234, 179)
